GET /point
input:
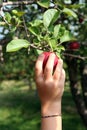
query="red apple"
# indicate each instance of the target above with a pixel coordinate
(47, 54)
(81, 20)
(74, 45)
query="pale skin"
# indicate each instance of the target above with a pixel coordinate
(50, 88)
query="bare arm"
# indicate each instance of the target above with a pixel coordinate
(50, 88)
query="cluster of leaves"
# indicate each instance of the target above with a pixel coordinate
(12, 20)
(47, 32)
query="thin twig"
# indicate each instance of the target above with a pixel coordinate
(75, 56)
(25, 27)
(36, 47)
(17, 3)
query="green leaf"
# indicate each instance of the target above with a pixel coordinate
(36, 22)
(7, 17)
(50, 29)
(69, 12)
(44, 3)
(14, 11)
(13, 29)
(15, 20)
(67, 37)
(59, 49)
(34, 30)
(38, 52)
(16, 45)
(53, 43)
(76, 6)
(50, 16)
(57, 30)
(18, 13)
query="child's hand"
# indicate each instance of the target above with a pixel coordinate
(50, 85)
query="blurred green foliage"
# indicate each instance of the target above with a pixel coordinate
(20, 109)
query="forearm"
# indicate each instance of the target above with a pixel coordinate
(50, 86)
(51, 117)
(52, 123)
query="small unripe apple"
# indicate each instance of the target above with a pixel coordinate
(47, 54)
(74, 45)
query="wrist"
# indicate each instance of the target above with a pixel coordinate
(48, 109)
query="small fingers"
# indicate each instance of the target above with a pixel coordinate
(58, 70)
(39, 66)
(49, 66)
(62, 77)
